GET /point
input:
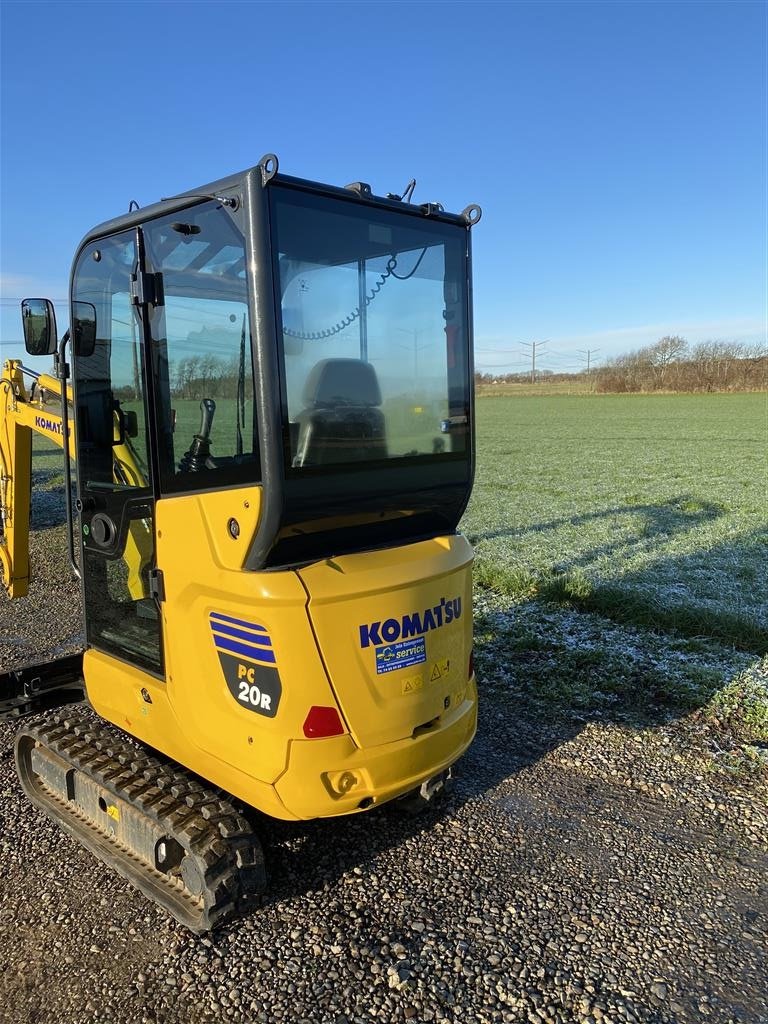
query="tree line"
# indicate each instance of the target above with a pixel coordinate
(203, 376)
(208, 376)
(671, 364)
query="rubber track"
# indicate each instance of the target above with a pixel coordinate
(224, 849)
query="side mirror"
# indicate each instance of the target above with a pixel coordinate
(126, 423)
(38, 319)
(83, 328)
(131, 423)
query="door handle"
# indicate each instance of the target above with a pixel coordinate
(103, 530)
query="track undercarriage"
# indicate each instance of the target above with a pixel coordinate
(185, 846)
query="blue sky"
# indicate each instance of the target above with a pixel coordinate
(618, 149)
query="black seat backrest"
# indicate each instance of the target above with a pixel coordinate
(342, 421)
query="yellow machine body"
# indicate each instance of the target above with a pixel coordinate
(401, 725)
(21, 415)
(24, 412)
(278, 600)
(266, 390)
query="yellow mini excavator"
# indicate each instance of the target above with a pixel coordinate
(266, 391)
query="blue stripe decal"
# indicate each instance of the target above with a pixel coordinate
(252, 653)
(240, 634)
(237, 622)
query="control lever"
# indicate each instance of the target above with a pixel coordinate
(199, 454)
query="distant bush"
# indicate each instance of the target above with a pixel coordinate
(672, 365)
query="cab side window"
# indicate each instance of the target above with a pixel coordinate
(201, 340)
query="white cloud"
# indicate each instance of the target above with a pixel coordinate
(18, 286)
(736, 329)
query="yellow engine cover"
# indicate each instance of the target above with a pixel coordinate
(394, 628)
(382, 638)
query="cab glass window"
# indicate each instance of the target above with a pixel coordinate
(201, 341)
(373, 309)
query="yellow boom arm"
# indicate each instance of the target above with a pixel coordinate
(23, 411)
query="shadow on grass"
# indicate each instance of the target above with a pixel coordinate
(545, 673)
(683, 512)
(651, 598)
(646, 609)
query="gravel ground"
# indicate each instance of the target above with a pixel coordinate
(581, 870)
(48, 623)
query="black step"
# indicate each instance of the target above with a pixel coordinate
(42, 686)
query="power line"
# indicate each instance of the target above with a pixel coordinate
(533, 346)
(588, 353)
(501, 366)
(499, 351)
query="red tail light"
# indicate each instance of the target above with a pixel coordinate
(322, 722)
(471, 664)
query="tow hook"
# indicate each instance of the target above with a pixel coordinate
(427, 794)
(435, 785)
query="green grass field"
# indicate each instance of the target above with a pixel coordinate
(622, 555)
(622, 552)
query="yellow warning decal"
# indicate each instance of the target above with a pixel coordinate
(439, 669)
(113, 812)
(458, 697)
(413, 683)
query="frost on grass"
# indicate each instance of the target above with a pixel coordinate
(646, 509)
(742, 705)
(562, 662)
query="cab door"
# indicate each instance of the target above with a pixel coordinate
(116, 477)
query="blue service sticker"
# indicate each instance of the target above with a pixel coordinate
(402, 655)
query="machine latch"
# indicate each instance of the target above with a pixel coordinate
(156, 584)
(362, 188)
(147, 289)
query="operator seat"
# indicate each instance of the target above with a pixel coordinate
(342, 421)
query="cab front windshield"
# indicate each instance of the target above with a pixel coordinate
(374, 333)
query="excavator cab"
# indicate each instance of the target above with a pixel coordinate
(272, 412)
